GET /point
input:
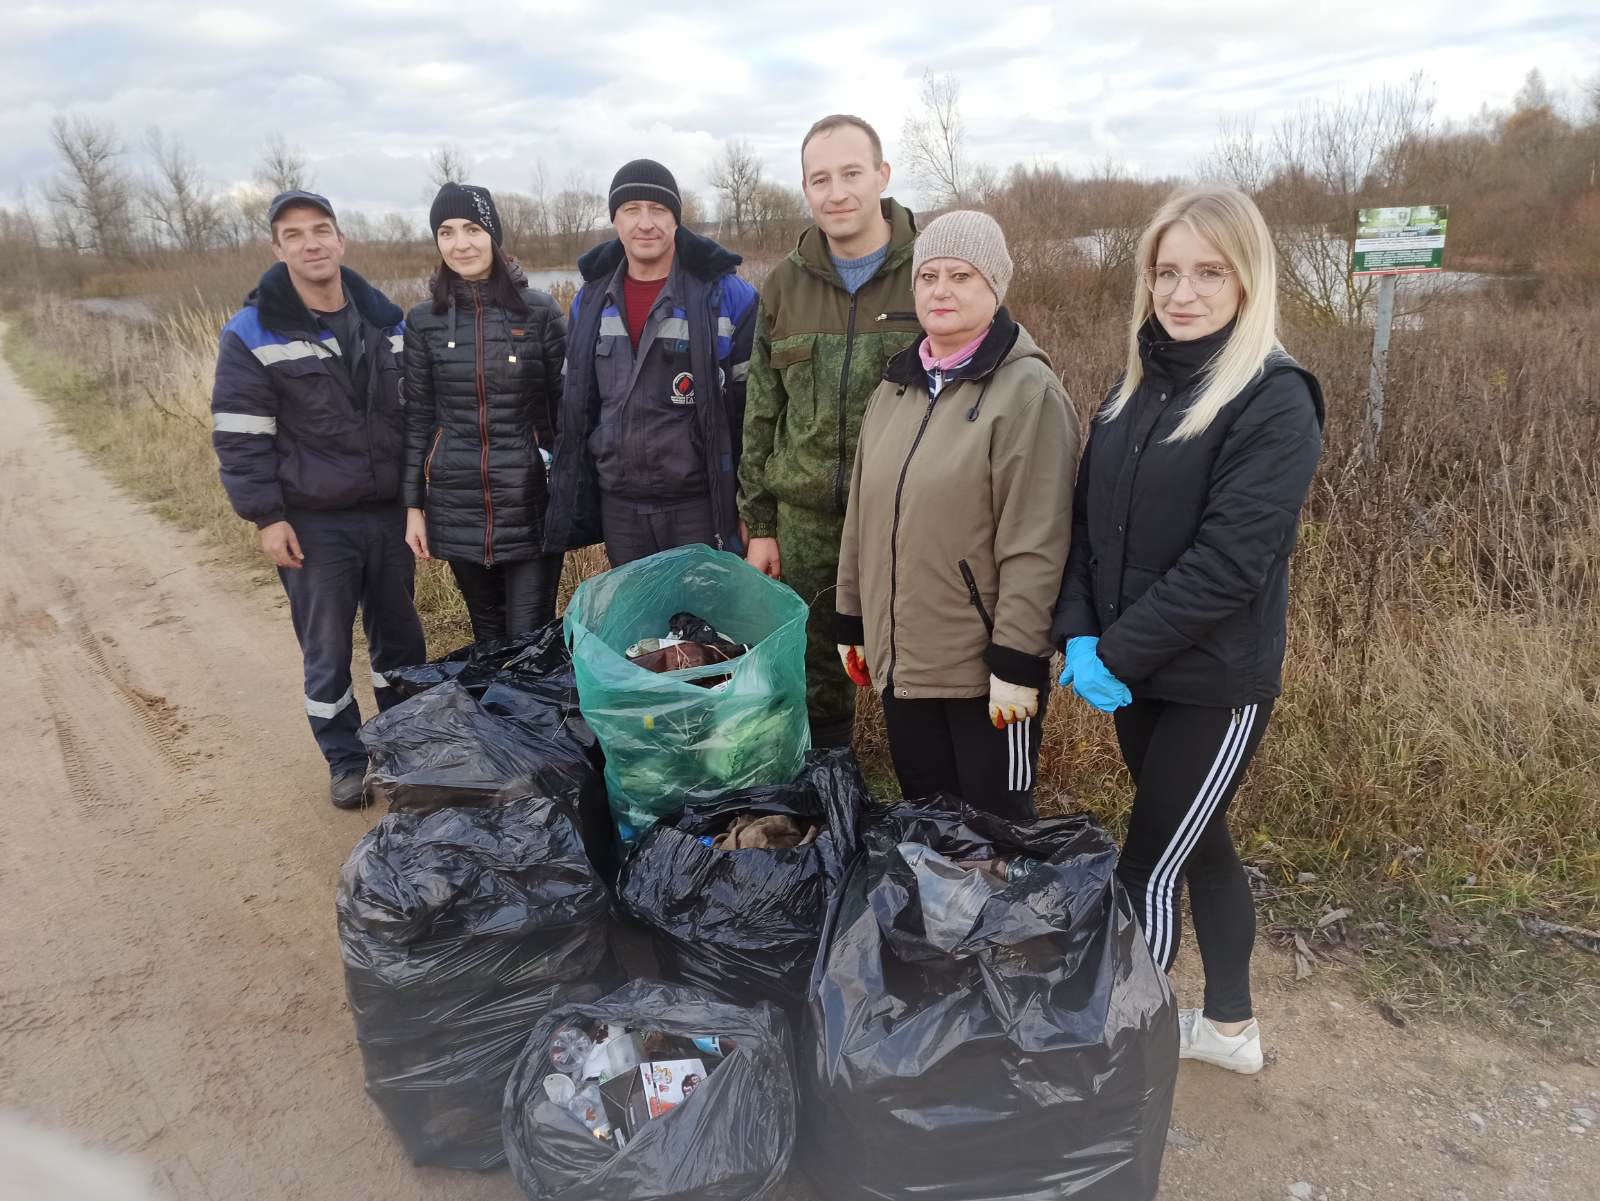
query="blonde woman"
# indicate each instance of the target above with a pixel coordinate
(1174, 603)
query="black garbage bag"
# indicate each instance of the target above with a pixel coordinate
(493, 722)
(526, 659)
(730, 1140)
(745, 924)
(460, 929)
(978, 1040)
(448, 747)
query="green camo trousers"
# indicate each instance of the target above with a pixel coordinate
(808, 545)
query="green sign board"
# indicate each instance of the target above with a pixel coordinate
(1395, 241)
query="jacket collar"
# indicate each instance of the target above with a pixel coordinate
(906, 367)
(1175, 361)
(700, 256)
(616, 284)
(1179, 362)
(812, 254)
(461, 289)
(282, 311)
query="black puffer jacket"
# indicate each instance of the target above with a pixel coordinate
(482, 389)
(1180, 550)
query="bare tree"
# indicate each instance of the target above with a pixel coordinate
(983, 185)
(777, 214)
(358, 227)
(539, 232)
(21, 248)
(1534, 93)
(1116, 208)
(934, 143)
(396, 228)
(694, 208)
(1331, 157)
(1312, 172)
(245, 216)
(282, 168)
(177, 201)
(1239, 157)
(574, 212)
(520, 219)
(1342, 144)
(90, 197)
(736, 176)
(447, 164)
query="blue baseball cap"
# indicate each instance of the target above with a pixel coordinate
(296, 196)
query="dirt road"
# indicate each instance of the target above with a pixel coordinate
(170, 983)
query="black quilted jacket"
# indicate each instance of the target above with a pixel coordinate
(1180, 550)
(482, 389)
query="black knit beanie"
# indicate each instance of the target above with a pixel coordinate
(645, 179)
(468, 202)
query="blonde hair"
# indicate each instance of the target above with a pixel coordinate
(1230, 221)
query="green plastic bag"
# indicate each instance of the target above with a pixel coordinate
(664, 735)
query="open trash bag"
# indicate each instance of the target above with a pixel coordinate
(536, 661)
(730, 1139)
(745, 923)
(975, 1039)
(663, 733)
(460, 929)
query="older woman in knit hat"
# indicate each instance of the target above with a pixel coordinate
(956, 532)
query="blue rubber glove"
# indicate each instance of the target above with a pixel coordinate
(1090, 679)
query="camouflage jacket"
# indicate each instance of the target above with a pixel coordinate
(819, 354)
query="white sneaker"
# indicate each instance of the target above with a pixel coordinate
(1199, 1039)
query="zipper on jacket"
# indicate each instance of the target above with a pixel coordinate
(707, 433)
(977, 600)
(483, 427)
(839, 496)
(427, 463)
(894, 538)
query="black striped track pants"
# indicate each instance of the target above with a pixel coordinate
(1187, 762)
(949, 745)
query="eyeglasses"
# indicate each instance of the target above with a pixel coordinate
(1207, 281)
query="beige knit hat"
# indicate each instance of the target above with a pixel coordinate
(972, 237)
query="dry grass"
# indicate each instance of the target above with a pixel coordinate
(1434, 764)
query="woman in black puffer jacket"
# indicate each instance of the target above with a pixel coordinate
(482, 388)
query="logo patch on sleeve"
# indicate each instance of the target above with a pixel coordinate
(683, 388)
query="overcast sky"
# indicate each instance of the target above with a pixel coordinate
(366, 88)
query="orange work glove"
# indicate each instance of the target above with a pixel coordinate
(854, 659)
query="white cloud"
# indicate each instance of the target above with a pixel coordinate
(369, 87)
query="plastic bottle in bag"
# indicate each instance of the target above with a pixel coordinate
(952, 897)
(570, 1049)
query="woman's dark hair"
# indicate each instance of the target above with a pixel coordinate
(499, 288)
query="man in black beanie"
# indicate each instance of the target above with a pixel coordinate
(652, 412)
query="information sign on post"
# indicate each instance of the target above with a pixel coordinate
(1400, 241)
(1394, 241)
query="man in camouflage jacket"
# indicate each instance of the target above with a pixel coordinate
(832, 314)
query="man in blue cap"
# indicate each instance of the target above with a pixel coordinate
(305, 419)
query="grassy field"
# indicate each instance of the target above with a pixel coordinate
(1432, 776)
